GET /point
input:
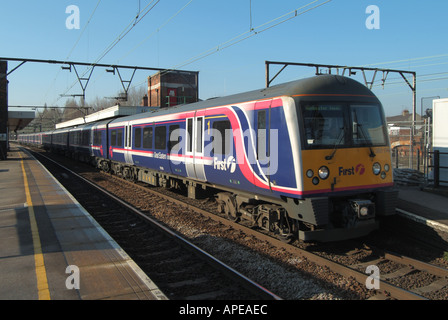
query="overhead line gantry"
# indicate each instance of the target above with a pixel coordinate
(84, 81)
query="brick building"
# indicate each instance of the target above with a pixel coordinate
(172, 88)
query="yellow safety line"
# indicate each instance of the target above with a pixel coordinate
(41, 274)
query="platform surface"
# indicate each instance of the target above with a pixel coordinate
(429, 206)
(51, 248)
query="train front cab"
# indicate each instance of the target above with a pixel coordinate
(346, 167)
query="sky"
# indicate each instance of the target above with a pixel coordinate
(228, 42)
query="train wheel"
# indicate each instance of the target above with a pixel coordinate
(288, 230)
(231, 212)
(227, 205)
(105, 166)
(128, 174)
(221, 206)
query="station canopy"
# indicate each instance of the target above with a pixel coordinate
(17, 120)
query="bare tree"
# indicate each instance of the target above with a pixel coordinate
(99, 104)
(135, 96)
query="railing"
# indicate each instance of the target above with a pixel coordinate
(178, 100)
(437, 167)
(409, 149)
(401, 158)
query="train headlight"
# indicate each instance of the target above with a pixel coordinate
(364, 211)
(376, 168)
(310, 173)
(323, 172)
(386, 167)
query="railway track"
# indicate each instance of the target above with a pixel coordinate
(179, 268)
(399, 277)
(421, 280)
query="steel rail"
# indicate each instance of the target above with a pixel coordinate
(229, 271)
(347, 272)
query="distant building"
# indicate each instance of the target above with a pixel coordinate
(172, 88)
(399, 128)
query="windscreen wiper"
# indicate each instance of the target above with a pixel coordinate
(338, 141)
(372, 154)
(363, 133)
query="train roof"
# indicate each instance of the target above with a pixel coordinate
(317, 85)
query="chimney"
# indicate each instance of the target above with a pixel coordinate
(405, 113)
(144, 102)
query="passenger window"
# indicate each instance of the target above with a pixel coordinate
(174, 144)
(199, 130)
(85, 137)
(147, 138)
(119, 138)
(190, 135)
(222, 137)
(97, 137)
(160, 136)
(138, 137)
(113, 138)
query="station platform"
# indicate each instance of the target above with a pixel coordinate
(52, 249)
(424, 205)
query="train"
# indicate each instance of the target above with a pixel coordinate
(308, 159)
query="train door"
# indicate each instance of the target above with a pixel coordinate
(92, 140)
(175, 149)
(263, 147)
(128, 144)
(195, 148)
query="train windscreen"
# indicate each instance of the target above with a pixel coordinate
(327, 125)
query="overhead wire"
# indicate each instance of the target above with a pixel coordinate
(83, 30)
(405, 62)
(157, 30)
(253, 32)
(248, 34)
(436, 76)
(152, 34)
(140, 15)
(379, 82)
(127, 30)
(231, 42)
(75, 45)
